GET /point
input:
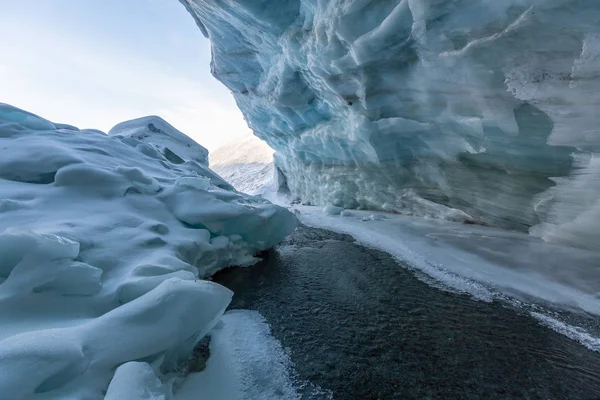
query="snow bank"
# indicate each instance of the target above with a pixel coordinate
(104, 241)
(461, 110)
(245, 162)
(246, 363)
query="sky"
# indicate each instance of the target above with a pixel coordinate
(95, 63)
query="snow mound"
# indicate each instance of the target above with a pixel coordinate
(482, 111)
(174, 145)
(104, 242)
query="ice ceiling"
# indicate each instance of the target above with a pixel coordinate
(482, 111)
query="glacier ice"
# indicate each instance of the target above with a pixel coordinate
(332, 210)
(477, 111)
(174, 145)
(105, 241)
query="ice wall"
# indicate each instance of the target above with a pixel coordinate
(468, 110)
(104, 244)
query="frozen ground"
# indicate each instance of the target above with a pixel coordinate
(105, 240)
(485, 262)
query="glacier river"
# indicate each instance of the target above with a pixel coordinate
(360, 326)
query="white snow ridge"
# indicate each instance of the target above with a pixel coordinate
(105, 240)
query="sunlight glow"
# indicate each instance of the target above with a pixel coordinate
(94, 64)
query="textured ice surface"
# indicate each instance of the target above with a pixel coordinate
(457, 109)
(104, 241)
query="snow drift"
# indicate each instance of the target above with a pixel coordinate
(105, 240)
(481, 111)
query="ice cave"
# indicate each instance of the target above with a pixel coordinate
(422, 222)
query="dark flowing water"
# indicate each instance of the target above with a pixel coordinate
(360, 325)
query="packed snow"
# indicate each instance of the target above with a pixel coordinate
(105, 241)
(481, 111)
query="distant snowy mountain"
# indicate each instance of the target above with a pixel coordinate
(246, 163)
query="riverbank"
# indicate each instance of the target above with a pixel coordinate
(361, 326)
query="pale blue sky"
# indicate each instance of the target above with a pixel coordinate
(95, 63)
